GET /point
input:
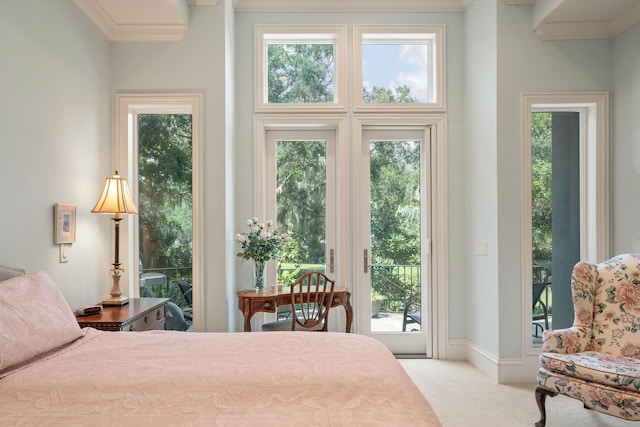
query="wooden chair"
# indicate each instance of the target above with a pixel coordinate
(311, 295)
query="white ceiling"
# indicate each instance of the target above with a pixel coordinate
(168, 20)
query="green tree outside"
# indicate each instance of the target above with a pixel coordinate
(165, 190)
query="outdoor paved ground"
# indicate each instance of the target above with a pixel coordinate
(389, 322)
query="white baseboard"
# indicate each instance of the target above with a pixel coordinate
(500, 370)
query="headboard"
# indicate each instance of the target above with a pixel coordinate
(9, 272)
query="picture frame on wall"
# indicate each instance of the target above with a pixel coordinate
(64, 223)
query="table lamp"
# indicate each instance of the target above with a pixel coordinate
(115, 199)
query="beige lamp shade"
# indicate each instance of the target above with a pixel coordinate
(115, 197)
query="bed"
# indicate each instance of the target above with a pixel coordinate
(54, 373)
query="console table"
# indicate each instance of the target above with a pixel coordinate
(251, 302)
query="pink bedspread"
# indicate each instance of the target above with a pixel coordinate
(166, 378)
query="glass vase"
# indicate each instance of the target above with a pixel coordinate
(258, 274)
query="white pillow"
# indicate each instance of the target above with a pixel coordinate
(34, 319)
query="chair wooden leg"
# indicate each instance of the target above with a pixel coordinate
(541, 396)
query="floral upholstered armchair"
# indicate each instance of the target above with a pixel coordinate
(597, 360)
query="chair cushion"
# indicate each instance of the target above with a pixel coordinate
(285, 325)
(608, 369)
(281, 325)
(612, 401)
(415, 317)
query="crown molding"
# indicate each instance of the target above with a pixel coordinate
(588, 30)
(120, 21)
(572, 30)
(203, 2)
(351, 5)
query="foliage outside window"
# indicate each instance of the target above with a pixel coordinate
(301, 206)
(541, 187)
(165, 198)
(541, 212)
(300, 68)
(300, 73)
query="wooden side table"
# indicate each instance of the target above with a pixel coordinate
(140, 314)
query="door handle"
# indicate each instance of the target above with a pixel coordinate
(366, 261)
(331, 261)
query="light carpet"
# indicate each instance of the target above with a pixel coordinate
(462, 396)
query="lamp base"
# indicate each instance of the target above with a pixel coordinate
(116, 301)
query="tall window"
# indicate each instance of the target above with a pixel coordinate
(160, 145)
(165, 205)
(565, 201)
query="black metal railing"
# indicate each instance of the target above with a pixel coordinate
(395, 284)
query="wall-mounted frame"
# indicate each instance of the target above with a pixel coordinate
(64, 221)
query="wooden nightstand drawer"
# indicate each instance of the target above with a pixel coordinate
(153, 320)
(140, 314)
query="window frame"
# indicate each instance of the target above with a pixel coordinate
(127, 107)
(437, 71)
(594, 185)
(293, 34)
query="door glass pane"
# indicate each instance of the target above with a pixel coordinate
(395, 198)
(301, 201)
(165, 212)
(555, 218)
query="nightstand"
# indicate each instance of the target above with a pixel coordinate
(140, 314)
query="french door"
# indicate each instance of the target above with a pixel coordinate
(301, 196)
(393, 245)
(359, 209)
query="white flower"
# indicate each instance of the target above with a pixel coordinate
(261, 242)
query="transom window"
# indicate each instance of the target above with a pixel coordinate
(300, 68)
(398, 68)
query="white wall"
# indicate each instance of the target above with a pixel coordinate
(196, 64)
(526, 64)
(625, 156)
(480, 172)
(501, 47)
(55, 98)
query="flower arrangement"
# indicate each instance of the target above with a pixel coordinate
(260, 245)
